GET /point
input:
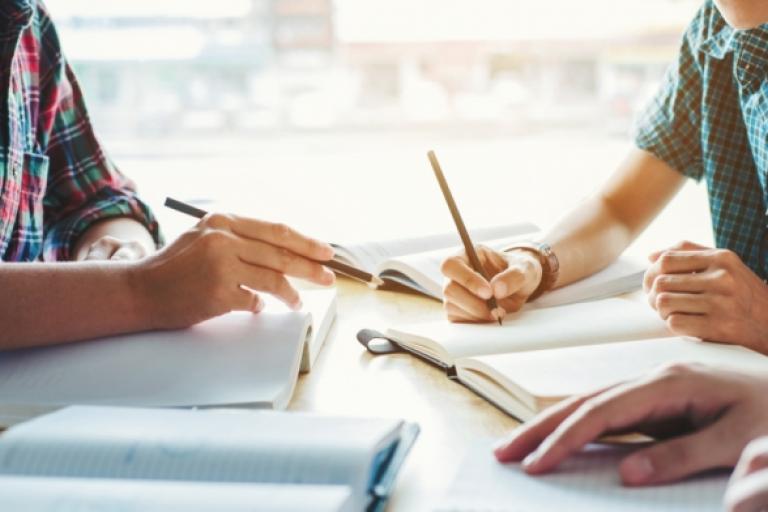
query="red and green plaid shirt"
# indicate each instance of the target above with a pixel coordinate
(55, 179)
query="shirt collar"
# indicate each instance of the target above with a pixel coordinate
(15, 14)
(717, 39)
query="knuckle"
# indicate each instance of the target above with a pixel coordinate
(448, 265)
(677, 371)
(285, 258)
(281, 231)
(725, 257)
(217, 220)
(664, 300)
(665, 262)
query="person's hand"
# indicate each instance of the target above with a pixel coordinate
(514, 276)
(710, 414)
(221, 264)
(748, 488)
(115, 249)
(710, 294)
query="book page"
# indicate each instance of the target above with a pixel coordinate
(588, 482)
(564, 372)
(369, 255)
(587, 323)
(188, 445)
(239, 358)
(41, 494)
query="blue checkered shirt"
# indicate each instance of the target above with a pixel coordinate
(709, 121)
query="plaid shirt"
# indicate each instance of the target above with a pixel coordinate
(55, 180)
(710, 121)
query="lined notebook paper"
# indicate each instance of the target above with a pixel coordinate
(588, 482)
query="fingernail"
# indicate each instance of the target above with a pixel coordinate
(637, 469)
(484, 292)
(500, 290)
(297, 305)
(531, 459)
(259, 306)
(503, 443)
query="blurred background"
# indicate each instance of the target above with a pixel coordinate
(283, 107)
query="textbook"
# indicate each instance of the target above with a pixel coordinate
(541, 356)
(586, 482)
(414, 264)
(238, 359)
(110, 458)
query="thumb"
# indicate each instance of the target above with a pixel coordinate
(678, 458)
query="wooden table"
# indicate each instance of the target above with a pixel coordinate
(348, 380)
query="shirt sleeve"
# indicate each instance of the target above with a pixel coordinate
(670, 125)
(84, 186)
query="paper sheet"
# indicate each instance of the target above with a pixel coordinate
(588, 482)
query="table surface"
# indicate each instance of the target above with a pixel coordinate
(348, 380)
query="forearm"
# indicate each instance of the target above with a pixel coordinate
(46, 303)
(122, 228)
(596, 232)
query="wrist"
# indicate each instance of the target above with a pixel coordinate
(143, 301)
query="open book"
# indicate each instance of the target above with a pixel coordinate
(143, 459)
(587, 482)
(414, 263)
(237, 359)
(541, 356)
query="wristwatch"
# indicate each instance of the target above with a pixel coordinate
(550, 265)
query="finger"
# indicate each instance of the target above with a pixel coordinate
(753, 459)
(457, 314)
(273, 233)
(617, 409)
(678, 262)
(749, 494)
(103, 248)
(513, 303)
(526, 438)
(470, 303)
(683, 303)
(256, 252)
(130, 251)
(685, 245)
(689, 283)
(681, 457)
(510, 282)
(697, 326)
(269, 281)
(245, 299)
(457, 269)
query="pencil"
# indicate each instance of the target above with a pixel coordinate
(337, 266)
(469, 247)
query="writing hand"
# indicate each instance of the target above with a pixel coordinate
(514, 276)
(710, 294)
(711, 414)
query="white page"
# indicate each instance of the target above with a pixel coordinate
(239, 358)
(31, 494)
(369, 255)
(585, 323)
(572, 371)
(210, 446)
(588, 482)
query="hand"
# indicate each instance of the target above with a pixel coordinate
(115, 249)
(710, 294)
(712, 413)
(218, 267)
(748, 489)
(514, 275)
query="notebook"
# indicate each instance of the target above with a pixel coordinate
(112, 451)
(414, 264)
(542, 356)
(587, 482)
(238, 359)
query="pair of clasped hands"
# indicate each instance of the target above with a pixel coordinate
(704, 417)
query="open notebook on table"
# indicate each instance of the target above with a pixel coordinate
(587, 482)
(148, 459)
(540, 356)
(238, 359)
(415, 264)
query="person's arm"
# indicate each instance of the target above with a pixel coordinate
(586, 240)
(704, 416)
(216, 267)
